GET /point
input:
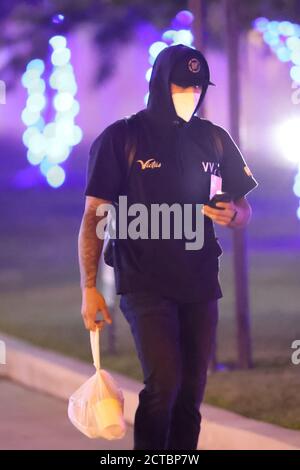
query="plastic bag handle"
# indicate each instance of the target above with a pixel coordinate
(95, 346)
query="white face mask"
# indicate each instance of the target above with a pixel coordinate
(185, 103)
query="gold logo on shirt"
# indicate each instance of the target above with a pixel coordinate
(151, 163)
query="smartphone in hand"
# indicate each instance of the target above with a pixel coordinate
(219, 197)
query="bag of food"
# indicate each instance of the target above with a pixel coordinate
(97, 407)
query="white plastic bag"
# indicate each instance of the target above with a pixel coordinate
(97, 407)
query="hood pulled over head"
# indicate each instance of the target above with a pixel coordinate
(160, 103)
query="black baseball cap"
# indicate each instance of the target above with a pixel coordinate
(191, 70)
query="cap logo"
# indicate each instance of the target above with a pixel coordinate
(194, 65)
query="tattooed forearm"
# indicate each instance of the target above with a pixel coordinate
(89, 245)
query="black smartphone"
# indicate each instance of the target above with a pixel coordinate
(219, 197)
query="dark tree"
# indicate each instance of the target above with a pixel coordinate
(27, 25)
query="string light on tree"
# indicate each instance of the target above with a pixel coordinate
(179, 34)
(50, 144)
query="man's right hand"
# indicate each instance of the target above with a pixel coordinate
(92, 303)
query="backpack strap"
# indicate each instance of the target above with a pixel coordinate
(131, 141)
(218, 144)
(215, 138)
(130, 153)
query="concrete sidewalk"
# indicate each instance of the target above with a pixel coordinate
(31, 420)
(58, 376)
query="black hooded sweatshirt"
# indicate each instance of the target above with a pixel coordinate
(182, 157)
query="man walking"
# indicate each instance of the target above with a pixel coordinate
(168, 293)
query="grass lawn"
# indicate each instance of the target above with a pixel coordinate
(40, 297)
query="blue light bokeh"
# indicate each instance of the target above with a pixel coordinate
(50, 144)
(179, 34)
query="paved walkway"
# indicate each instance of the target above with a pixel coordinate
(31, 420)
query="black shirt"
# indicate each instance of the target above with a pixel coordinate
(181, 158)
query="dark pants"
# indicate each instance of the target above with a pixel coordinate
(174, 344)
